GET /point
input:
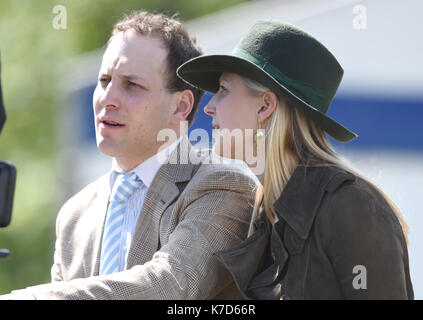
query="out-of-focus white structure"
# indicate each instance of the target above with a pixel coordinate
(379, 44)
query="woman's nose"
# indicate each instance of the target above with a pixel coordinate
(210, 110)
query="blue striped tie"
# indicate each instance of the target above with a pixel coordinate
(125, 186)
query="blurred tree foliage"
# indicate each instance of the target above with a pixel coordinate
(32, 53)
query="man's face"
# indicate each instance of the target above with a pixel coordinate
(131, 103)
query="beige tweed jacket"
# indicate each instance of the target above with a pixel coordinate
(190, 211)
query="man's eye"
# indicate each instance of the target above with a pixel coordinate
(132, 84)
(222, 88)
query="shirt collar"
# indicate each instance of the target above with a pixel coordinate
(147, 169)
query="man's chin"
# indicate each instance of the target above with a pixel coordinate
(109, 148)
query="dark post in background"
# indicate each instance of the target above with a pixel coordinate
(7, 181)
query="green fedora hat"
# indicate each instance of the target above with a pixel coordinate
(286, 60)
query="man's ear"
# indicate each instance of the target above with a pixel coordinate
(269, 102)
(184, 104)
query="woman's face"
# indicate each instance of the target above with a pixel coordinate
(234, 108)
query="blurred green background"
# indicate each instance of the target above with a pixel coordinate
(33, 54)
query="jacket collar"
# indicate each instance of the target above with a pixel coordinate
(177, 170)
(301, 197)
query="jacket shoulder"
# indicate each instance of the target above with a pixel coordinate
(218, 173)
(355, 201)
(355, 191)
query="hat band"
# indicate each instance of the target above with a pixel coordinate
(314, 97)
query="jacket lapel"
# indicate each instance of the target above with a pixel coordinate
(162, 192)
(100, 210)
(247, 253)
(244, 260)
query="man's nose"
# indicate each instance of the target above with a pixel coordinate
(110, 97)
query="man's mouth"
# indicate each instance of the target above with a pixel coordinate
(107, 123)
(112, 123)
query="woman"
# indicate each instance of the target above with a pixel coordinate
(324, 232)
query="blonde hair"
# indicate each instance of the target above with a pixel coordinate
(293, 139)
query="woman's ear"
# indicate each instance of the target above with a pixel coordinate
(270, 102)
(184, 104)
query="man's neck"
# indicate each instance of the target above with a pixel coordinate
(127, 164)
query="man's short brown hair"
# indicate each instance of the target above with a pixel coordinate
(181, 47)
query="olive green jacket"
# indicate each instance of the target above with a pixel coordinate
(336, 238)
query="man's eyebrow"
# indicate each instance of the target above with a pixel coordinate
(125, 76)
(103, 74)
(132, 77)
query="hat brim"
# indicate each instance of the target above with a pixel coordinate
(204, 72)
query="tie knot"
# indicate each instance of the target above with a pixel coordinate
(125, 186)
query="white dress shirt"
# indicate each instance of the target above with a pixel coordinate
(146, 172)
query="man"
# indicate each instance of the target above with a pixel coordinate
(147, 230)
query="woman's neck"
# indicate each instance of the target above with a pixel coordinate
(290, 159)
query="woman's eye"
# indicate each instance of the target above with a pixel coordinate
(222, 88)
